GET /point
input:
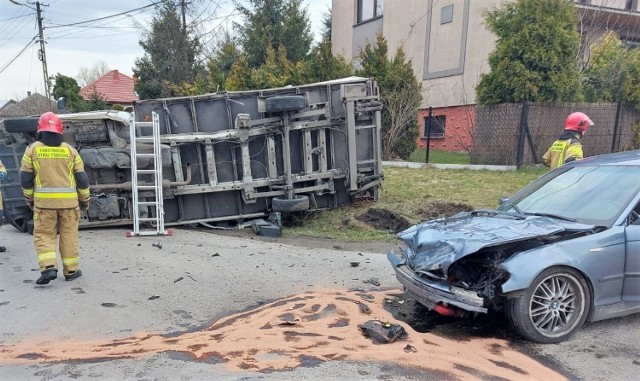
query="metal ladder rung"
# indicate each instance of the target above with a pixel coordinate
(147, 203)
(146, 187)
(144, 139)
(145, 171)
(145, 155)
(144, 124)
(147, 219)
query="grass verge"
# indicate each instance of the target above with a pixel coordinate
(411, 192)
(439, 157)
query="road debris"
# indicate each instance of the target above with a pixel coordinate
(158, 245)
(382, 332)
(178, 280)
(154, 297)
(410, 349)
(364, 308)
(354, 264)
(373, 281)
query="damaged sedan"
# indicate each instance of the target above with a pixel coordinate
(563, 250)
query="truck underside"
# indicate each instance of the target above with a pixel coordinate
(226, 157)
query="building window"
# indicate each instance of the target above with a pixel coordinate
(434, 126)
(369, 9)
(446, 14)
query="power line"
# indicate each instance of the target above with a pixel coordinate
(105, 17)
(18, 55)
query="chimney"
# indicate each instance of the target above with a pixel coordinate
(28, 93)
(116, 75)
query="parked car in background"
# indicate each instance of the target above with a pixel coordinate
(563, 250)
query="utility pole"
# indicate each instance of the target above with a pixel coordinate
(41, 53)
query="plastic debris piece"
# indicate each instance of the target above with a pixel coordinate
(154, 297)
(410, 348)
(373, 281)
(354, 264)
(382, 332)
(363, 308)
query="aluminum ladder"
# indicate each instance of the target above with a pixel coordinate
(155, 187)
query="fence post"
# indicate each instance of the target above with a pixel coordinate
(615, 141)
(427, 127)
(522, 134)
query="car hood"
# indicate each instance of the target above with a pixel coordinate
(435, 245)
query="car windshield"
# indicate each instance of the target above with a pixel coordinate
(590, 195)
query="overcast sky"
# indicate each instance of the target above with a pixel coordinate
(69, 48)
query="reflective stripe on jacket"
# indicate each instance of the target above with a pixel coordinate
(54, 169)
(563, 151)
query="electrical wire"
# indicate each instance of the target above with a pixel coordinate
(18, 55)
(106, 17)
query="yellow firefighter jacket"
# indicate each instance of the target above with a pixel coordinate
(54, 169)
(564, 150)
(2, 170)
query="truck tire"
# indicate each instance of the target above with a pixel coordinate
(283, 103)
(298, 203)
(15, 125)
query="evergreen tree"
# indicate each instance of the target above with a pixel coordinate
(322, 64)
(400, 94)
(535, 53)
(67, 88)
(271, 23)
(170, 55)
(240, 76)
(220, 64)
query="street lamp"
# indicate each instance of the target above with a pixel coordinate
(41, 53)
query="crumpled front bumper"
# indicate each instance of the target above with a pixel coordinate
(430, 293)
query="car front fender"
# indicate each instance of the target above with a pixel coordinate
(600, 257)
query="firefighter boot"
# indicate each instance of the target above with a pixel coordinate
(47, 276)
(73, 275)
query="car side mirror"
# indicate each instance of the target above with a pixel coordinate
(503, 200)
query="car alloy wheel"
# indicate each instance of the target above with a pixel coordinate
(556, 304)
(552, 308)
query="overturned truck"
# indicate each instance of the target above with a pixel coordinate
(227, 158)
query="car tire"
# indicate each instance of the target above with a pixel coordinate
(298, 203)
(284, 103)
(553, 308)
(17, 125)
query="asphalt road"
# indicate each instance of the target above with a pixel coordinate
(152, 288)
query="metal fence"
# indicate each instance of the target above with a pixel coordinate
(520, 134)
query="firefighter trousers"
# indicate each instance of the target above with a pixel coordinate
(47, 223)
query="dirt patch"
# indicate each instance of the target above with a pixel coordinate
(384, 219)
(440, 209)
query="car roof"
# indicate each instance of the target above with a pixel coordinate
(627, 158)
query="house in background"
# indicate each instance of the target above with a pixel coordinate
(33, 105)
(449, 46)
(114, 87)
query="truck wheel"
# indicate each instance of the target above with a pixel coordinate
(298, 203)
(16, 125)
(282, 103)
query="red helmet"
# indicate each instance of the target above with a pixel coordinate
(50, 122)
(578, 121)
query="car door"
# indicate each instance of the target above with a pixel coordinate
(631, 285)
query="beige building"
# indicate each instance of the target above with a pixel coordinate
(449, 46)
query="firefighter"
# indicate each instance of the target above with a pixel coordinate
(3, 175)
(568, 147)
(56, 187)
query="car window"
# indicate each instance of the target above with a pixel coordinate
(591, 195)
